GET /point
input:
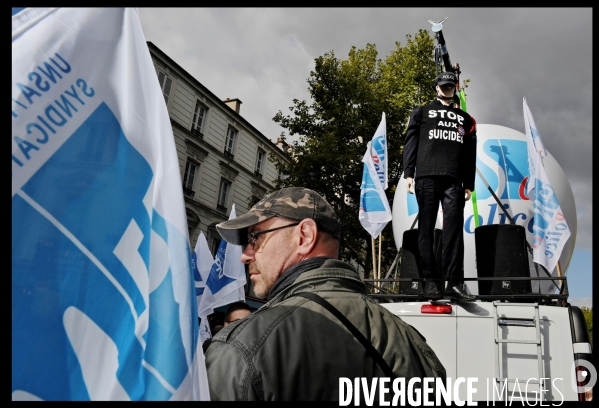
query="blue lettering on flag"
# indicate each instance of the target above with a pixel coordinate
(535, 138)
(545, 201)
(544, 195)
(93, 187)
(217, 280)
(378, 144)
(370, 200)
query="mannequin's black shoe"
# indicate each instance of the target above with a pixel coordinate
(454, 291)
(431, 291)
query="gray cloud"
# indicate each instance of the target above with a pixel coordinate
(263, 56)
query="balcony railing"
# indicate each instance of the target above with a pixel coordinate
(228, 154)
(188, 191)
(257, 173)
(196, 131)
(221, 208)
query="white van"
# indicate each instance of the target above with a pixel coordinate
(500, 339)
(506, 345)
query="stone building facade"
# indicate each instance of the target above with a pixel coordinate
(223, 159)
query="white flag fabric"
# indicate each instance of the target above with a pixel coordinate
(550, 230)
(103, 302)
(374, 213)
(201, 263)
(226, 280)
(379, 156)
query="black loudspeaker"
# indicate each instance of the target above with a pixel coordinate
(410, 261)
(501, 253)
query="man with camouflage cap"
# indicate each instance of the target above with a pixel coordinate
(295, 347)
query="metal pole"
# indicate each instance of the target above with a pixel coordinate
(373, 260)
(379, 262)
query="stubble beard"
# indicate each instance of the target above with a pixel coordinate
(261, 288)
(265, 277)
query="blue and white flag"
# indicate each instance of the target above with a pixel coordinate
(550, 230)
(226, 280)
(374, 212)
(201, 263)
(103, 300)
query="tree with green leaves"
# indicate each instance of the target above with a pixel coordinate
(348, 99)
(587, 312)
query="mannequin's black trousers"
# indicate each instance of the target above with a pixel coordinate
(430, 191)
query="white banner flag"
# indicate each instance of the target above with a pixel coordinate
(550, 231)
(201, 263)
(103, 301)
(374, 212)
(226, 280)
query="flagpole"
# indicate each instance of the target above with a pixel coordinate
(379, 263)
(559, 270)
(373, 261)
(560, 275)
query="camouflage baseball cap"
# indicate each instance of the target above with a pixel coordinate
(293, 203)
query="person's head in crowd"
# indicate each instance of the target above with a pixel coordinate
(236, 311)
(286, 227)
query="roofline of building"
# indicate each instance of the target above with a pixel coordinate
(236, 115)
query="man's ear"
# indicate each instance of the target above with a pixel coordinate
(307, 236)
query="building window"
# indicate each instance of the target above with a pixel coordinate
(166, 84)
(198, 119)
(215, 245)
(188, 177)
(193, 222)
(254, 200)
(230, 142)
(280, 177)
(259, 170)
(223, 194)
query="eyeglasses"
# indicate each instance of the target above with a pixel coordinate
(253, 236)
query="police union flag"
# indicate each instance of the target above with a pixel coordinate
(201, 263)
(103, 300)
(374, 212)
(227, 278)
(550, 231)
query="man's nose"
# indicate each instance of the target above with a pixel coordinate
(247, 256)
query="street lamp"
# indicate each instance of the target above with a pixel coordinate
(314, 176)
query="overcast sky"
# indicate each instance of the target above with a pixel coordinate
(263, 56)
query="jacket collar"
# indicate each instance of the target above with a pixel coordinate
(332, 275)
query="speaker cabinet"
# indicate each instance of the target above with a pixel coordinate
(501, 253)
(410, 261)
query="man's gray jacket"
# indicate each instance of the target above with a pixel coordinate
(294, 349)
